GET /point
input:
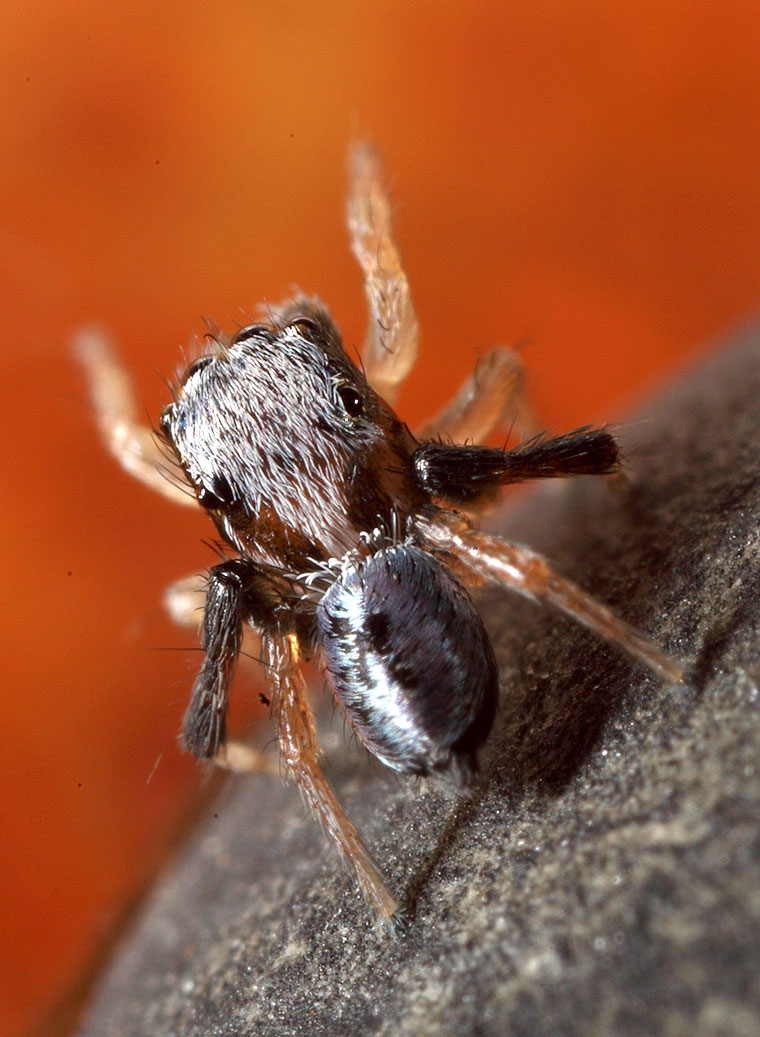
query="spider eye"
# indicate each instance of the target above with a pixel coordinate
(218, 495)
(165, 421)
(305, 326)
(351, 399)
(196, 366)
(253, 332)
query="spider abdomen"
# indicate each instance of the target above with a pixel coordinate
(409, 661)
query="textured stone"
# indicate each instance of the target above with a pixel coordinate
(605, 875)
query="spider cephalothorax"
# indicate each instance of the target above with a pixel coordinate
(288, 447)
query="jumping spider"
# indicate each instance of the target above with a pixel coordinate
(350, 535)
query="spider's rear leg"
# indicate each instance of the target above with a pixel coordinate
(134, 445)
(522, 570)
(391, 346)
(493, 396)
(299, 749)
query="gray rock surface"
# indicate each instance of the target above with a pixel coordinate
(605, 875)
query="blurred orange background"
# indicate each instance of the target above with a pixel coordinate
(580, 176)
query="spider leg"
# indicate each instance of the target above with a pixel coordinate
(391, 346)
(185, 599)
(133, 444)
(237, 591)
(219, 597)
(204, 728)
(239, 758)
(492, 396)
(468, 475)
(522, 570)
(299, 749)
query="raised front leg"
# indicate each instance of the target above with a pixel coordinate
(493, 396)
(391, 346)
(132, 443)
(236, 592)
(466, 474)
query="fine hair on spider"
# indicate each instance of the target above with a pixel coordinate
(350, 538)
